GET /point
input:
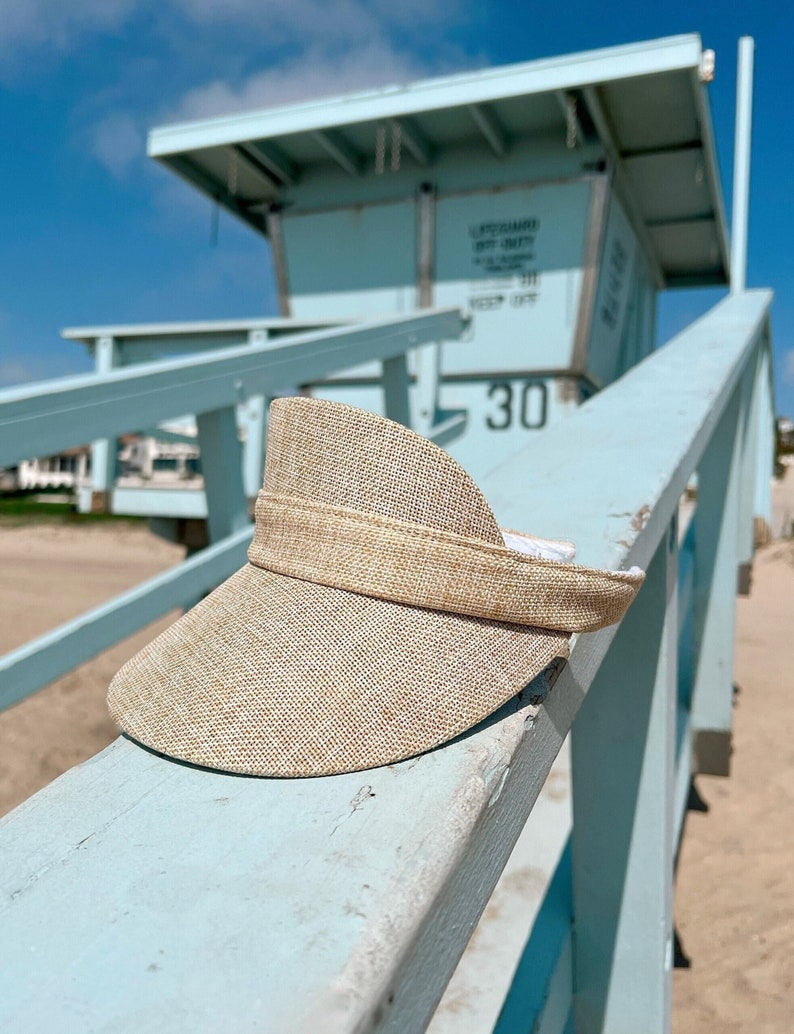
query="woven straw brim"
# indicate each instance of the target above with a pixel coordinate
(274, 676)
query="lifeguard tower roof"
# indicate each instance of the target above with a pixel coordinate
(641, 111)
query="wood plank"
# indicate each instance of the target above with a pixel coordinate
(138, 893)
(43, 418)
(716, 557)
(222, 466)
(199, 329)
(396, 390)
(507, 966)
(623, 766)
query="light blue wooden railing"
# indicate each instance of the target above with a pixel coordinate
(113, 347)
(45, 418)
(140, 894)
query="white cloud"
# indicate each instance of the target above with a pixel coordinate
(15, 371)
(304, 18)
(61, 24)
(58, 23)
(314, 74)
(320, 20)
(299, 49)
(116, 142)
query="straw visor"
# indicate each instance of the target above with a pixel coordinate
(381, 612)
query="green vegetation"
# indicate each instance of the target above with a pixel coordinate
(19, 509)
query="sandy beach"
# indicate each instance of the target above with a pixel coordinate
(734, 896)
(734, 899)
(52, 572)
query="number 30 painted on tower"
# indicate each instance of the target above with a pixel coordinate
(531, 408)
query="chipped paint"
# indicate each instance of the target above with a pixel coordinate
(496, 793)
(641, 517)
(356, 801)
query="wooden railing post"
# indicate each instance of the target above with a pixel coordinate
(714, 592)
(396, 390)
(623, 771)
(222, 467)
(766, 439)
(751, 409)
(756, 460)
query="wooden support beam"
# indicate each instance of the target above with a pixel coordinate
(693, 146)
(597, 217)
(339, 148)
(623, 767)
(103, 450)
(607, 135)
(395, 390)
(750, 403)
(254, 418)
(222, 467)
(489, 126)
(414, 141)
(766, 443)
(274, 159)
(714, 592)
(278, 252)
(246, 159)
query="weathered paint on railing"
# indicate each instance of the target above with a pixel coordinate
(136, 889)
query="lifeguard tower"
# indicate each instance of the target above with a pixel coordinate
(550, 200)
(477, 256)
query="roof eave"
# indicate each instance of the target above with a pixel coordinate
(491, 84)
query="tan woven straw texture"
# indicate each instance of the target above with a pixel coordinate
(381, 614)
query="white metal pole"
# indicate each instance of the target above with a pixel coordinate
(741, 164)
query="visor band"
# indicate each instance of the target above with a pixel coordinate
(374, 555)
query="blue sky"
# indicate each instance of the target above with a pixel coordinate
(93, 232)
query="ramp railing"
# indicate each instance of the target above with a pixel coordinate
(116, 346)
(44, 418)
(140, 894)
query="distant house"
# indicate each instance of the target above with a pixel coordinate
(69, 469)
(141, 460)
(167, 462)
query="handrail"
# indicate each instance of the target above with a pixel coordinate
(653, 424)
(43, 418)
(46, 417)
(343, 904)
(174, 331)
